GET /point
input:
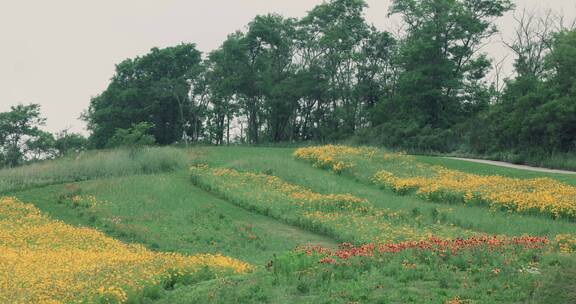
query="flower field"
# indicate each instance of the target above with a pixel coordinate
(482, 269)
(307, 235)
(47, 261)
(403, 174)
(342, 216)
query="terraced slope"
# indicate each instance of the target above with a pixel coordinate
(284, 216)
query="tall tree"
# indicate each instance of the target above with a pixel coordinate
(441, 52)
(376, 75)
(442, 66)
(537, 114)
(226, 77)
(154, 88)
(332, 35)
(271, 37)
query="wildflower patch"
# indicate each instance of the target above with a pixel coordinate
(47, 261)
(403, 174)
(344, 217)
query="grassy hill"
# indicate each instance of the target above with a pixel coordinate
(259, 204)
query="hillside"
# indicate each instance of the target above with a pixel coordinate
(402, 244)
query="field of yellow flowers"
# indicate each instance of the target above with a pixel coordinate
(47, 261)
(403, 174)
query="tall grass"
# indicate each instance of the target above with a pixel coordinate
(565, 161)
(91, 165)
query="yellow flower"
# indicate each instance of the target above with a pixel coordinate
(47, 261)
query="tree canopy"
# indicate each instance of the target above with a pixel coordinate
(20, 134)
(155, 88)
(331, 76)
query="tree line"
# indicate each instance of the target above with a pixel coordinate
(330, 76)
(21, 138)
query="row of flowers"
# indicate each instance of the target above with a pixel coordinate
(344, 217)
(540, 195)
(403, 174)
(477, 269)
(433, 244)
(47, 261)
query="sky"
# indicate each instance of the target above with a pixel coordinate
(60, 53)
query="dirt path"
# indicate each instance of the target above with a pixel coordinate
(514, 166)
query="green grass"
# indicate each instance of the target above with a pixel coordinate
(342, 218)
(166, 213)
(476, 276)
(92, 165)
(149, 199)
(279, 162)
(485, 169)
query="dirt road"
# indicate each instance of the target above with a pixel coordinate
(509, 165)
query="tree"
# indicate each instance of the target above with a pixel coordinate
(249, 75)
(331, 37)
(271, 39)
(155, 88)
(133, 137)
(20, 133)
(376, 76)
(224, 75)
(40, 146)
(537, 114)
(534, 39)
(67, 142)
(441, 64)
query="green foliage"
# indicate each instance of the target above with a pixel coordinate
(537, 115)
(66, 143)
(153, 88)
(41, 146)
(440, 83)
(22, 140)
(133, 137)
(20, 134)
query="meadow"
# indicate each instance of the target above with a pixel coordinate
(324, 224)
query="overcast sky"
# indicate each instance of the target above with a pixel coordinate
(60, 53)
